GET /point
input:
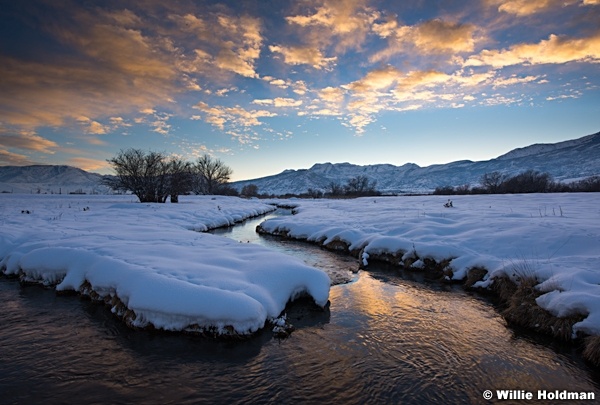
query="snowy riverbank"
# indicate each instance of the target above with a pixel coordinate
(146, 261)
(553, 239)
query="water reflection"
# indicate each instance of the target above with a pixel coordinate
(340, 268)
(383, 340)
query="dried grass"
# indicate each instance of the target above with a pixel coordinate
(522, 309)
(474, 275)
(591, 351)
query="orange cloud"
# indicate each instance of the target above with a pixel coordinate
(88, 164)
(28, 141)
(118, 70)
(430, 37)
(377, 79)
(345, 22)
(555, 49)
(220, 116)
(118, 62)
(237, 39)
(332, 95)
(528, 7)
(303, 56)
(286, 102)
(14, 159)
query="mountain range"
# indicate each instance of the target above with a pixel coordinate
(564, 161)
(50, 179)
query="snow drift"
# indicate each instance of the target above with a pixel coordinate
(146, 257)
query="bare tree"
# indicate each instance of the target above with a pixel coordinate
(360, 186)
(149, 175)
(492, 181)
(211, 175)
(334, 189)
(314, 193)
(180, 177)
(250, 190)
(530, 181)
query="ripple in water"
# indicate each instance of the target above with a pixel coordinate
(383, 340)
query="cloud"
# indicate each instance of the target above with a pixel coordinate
(529, 7)
(27, 141)
(332, 95)
(115, 62)
(343, 22)
(279, 102)
(282, 84)
(107, 70)
(389, 89)
(88, 164)
(555, 50)
(96, 128)
(266, 101)
(14, 159)
(225, 41)
(377, 79)
(304, 56)
(220, 116)
(513, 80)
(431, 37)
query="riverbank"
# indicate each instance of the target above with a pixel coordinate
(145, 262)
(536, 253)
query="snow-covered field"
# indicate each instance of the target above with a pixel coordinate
(149, 257)
(553, 237)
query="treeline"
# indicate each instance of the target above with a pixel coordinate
(359, 186)
(530, 181)
(155, 177)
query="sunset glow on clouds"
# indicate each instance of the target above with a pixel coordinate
(269, 85)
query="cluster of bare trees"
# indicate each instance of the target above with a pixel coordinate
(359, 186)
(530, 181)
(154, 177)
(355, 187)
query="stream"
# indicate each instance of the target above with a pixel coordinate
(385, 339)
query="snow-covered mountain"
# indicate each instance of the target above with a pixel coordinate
(47, 179)
(564, 161)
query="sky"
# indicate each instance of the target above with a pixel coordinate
(272, 85)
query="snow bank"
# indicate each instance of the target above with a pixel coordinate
(146, 256)
(553, 237)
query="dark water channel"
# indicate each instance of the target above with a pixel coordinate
(384, 340)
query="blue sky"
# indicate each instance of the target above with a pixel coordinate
(272, 85)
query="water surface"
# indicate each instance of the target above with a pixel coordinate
(384, 339)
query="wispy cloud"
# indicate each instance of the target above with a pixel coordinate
(14, 159)
(528, 7)
(93, 72)
(27, 141)
(88, 164)
(237, 116)
(304, 55)
(279, 102)
(345, 23)
(430, 37)
(556, 49)
(224, 41)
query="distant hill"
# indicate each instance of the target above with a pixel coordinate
(48, 179)
(564, 161)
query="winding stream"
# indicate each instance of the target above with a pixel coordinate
(384, 339)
